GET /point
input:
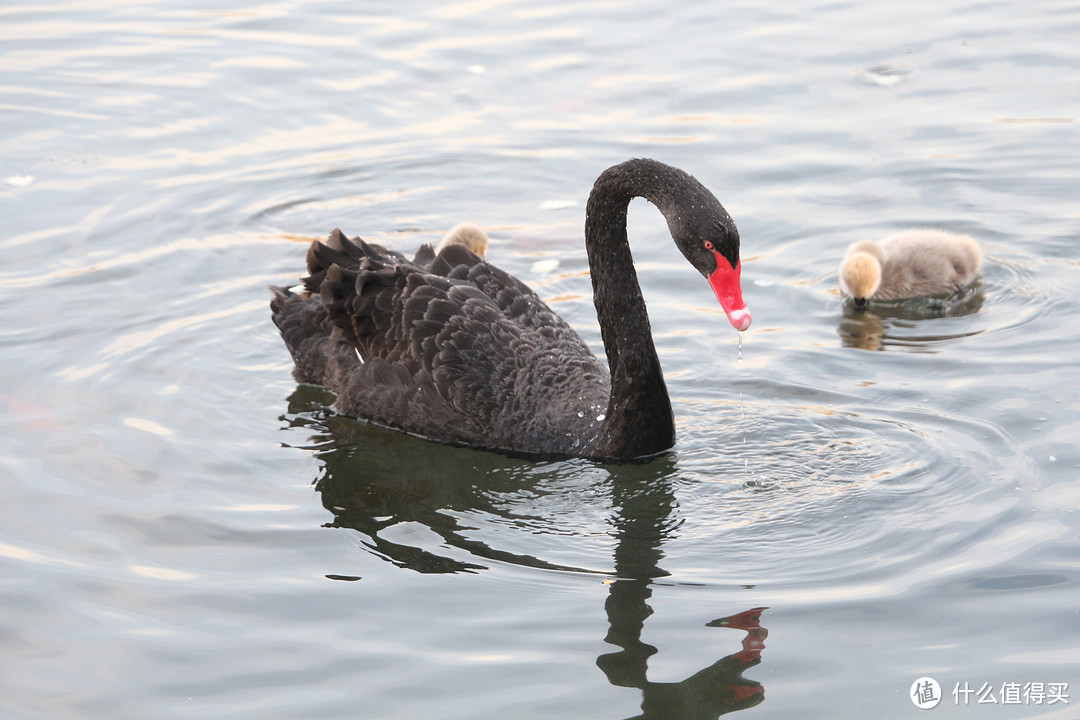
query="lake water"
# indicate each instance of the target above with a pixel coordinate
(187, 533)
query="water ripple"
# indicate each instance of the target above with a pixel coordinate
(886, 74)
(811, 491)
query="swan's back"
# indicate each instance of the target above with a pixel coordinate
(927, 262)
(444, 346)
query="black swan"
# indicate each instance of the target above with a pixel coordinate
(453, 349)
(908, 264)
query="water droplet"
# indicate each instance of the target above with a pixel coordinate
(580, 414)
(600, 417)
(740, 348)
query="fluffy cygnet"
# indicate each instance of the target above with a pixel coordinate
(909, 264)
(468, 235)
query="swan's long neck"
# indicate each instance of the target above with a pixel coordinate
(639, 419)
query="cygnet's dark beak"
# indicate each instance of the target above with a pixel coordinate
(860, 303)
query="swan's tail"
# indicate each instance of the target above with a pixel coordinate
(332, 319)
(361, 301)
(319, 356)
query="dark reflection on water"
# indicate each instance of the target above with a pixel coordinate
(709, 693)
(897, 323)
(374, 479)
(642, 505)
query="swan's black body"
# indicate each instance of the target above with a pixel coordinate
(453, 349)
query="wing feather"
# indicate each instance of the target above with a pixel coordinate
(445, 346)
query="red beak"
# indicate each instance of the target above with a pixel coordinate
(725, 283)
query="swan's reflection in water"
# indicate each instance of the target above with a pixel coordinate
(898, 323)
(378, 481)
(643, 505)
(373, 480)
(709, 693)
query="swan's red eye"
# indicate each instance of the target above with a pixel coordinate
(708, 245)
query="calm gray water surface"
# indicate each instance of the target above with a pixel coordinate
(186, 533)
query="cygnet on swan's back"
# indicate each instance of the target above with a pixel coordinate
(468, 235)
(908, 264)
